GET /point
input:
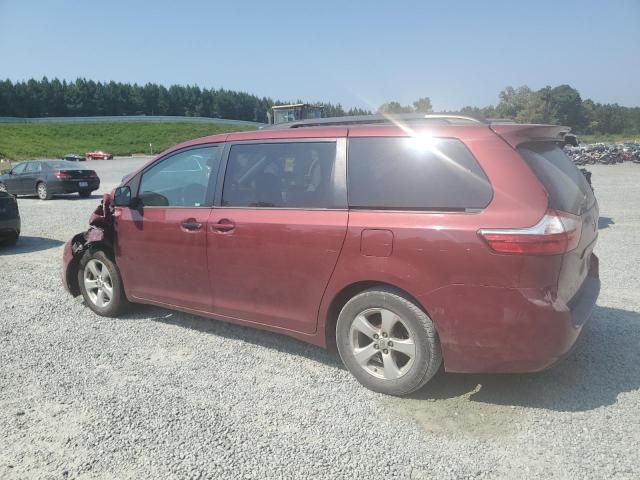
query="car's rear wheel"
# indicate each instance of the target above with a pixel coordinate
(43, 191)
(387, 342)
(101, 284)
(84, 193)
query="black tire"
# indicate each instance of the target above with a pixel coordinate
(427, 359)
(118, 302)
(42, 191)
(84, 193)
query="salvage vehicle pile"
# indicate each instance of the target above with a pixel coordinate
(603, 153)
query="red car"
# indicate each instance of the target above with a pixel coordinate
(406, 244)
(98, 155)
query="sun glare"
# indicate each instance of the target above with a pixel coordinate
(422, 143)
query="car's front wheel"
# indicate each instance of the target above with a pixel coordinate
(387, 342)
(101, 284)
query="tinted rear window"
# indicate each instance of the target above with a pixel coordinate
(410, 173)
(566, 186)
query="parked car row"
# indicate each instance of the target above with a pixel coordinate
(97, 155)
(46, 178)
(607, 154)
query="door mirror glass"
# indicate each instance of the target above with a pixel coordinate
(122, 197)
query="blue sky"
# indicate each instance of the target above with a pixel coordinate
(353, 52)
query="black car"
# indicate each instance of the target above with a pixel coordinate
(72, 157)
(9, 218)
(46, 178)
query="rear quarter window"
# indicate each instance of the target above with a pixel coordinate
(411, 173)
(566, 186)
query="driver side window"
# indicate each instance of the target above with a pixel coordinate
(18, 169)
(180, 180)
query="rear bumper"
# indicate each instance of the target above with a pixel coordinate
(509, 330)
(72, 186)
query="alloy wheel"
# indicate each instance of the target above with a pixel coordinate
(382, 343)
(98, 283)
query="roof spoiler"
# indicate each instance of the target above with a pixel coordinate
(516, 134)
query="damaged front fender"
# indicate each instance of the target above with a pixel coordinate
(99, 234)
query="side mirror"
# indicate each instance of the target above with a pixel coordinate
(122, 197)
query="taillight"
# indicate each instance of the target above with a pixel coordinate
(62, 175)
(92, 173)
(556, 233)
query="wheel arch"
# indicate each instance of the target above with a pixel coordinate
(71, 273)
(348, 292)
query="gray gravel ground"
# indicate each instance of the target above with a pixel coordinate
(159, 394)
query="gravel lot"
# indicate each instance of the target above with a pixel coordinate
(159, 394)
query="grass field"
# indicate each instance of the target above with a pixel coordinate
(609, 138)
(20, 141)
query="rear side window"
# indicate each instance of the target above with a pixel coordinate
(414, 173)
(280, 175)
(566, 186)
(34, 167)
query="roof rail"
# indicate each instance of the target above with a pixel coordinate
(380, 119)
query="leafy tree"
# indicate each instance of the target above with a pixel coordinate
(568, 106)
(423, 105)
(513, 101)
(394, 107)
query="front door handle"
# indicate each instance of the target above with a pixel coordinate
(191, 224)
(224, 225)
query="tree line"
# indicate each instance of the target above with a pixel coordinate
(561, 105)
(55, 98)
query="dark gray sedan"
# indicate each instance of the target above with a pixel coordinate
(46, 178)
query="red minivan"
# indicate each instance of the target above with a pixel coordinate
(407, 242)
